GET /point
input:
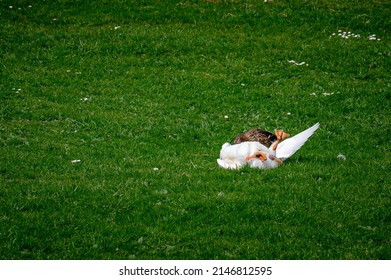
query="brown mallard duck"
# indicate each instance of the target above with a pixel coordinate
(258, 135)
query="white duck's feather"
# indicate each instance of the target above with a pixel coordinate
(234, 156)
(269, 163)
(291, 145)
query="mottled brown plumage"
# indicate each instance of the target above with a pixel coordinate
(256, 134)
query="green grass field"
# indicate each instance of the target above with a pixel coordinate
(113, 113)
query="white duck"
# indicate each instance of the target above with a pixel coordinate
(252, 152)
(236, 156)
(259, 156)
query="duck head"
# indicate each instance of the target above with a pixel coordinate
(275, 159)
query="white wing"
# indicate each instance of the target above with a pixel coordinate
(230, 157)
(291, 145)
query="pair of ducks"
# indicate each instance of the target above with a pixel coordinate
(262, 149)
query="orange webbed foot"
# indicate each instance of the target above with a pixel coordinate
(280, 134)
(261, 156)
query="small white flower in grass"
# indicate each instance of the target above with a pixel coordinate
(162, 191)
(297, 63)
(289, 113)
(346, 34)
(341, 156)
(140, 240)
(328, 93)
(226, 117)
(155, 169)
(10, 7)
(373, 37)
(313, 94)
(242, 84)
(117, 27)
(84, 99)
(75, 161)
